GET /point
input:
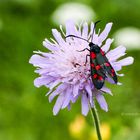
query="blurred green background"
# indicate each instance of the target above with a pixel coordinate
(25, 113)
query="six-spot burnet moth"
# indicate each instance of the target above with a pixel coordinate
(100, 66)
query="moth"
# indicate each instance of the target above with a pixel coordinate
(100, 67)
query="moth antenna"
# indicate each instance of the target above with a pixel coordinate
(94, 29)
(77, 37)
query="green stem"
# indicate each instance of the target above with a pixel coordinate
(95, 118)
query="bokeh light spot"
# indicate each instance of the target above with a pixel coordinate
(129, 37)
(76, 11)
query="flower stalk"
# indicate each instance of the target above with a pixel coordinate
(95, 118)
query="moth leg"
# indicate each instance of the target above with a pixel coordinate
(86, 58)
(83, 50)
(88, 76)
(102, 91)
(76, 64)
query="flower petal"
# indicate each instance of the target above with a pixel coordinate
(74, 98)
(116, 66)
(102, 102)
(38, 60)
(106, 47)
(52, 95)
(91, 31)
(118, 74)
(110, 80)
(90, 94)
(70, 28)
(60, 89)
(85, 107)
(69, 106)
(85, 31)
(50, 91)
(119, 83)
(49, 45)
(68, 95)
(106, 90)
(116, 53)
(43, 81)
(54, 84)
(58, 104)
(58, 37)
(105, 33)
(126, 61)
(88, 89)
(75, 90)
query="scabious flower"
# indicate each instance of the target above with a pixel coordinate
(63, 69)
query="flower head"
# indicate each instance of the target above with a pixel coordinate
(63, 69)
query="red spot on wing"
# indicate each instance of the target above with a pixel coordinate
(112, 74)
(92, 65)
(100, 78)
(102, 52)
(107, 64)
(112, 70)
(92, 55)
(97, 67)
(95, 76)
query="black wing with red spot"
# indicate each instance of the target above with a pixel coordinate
(106, 66)
(97, 73)
(110, 71)
(100, 68)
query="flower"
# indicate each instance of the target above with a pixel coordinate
(63, 69)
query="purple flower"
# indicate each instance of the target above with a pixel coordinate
(63, 69)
